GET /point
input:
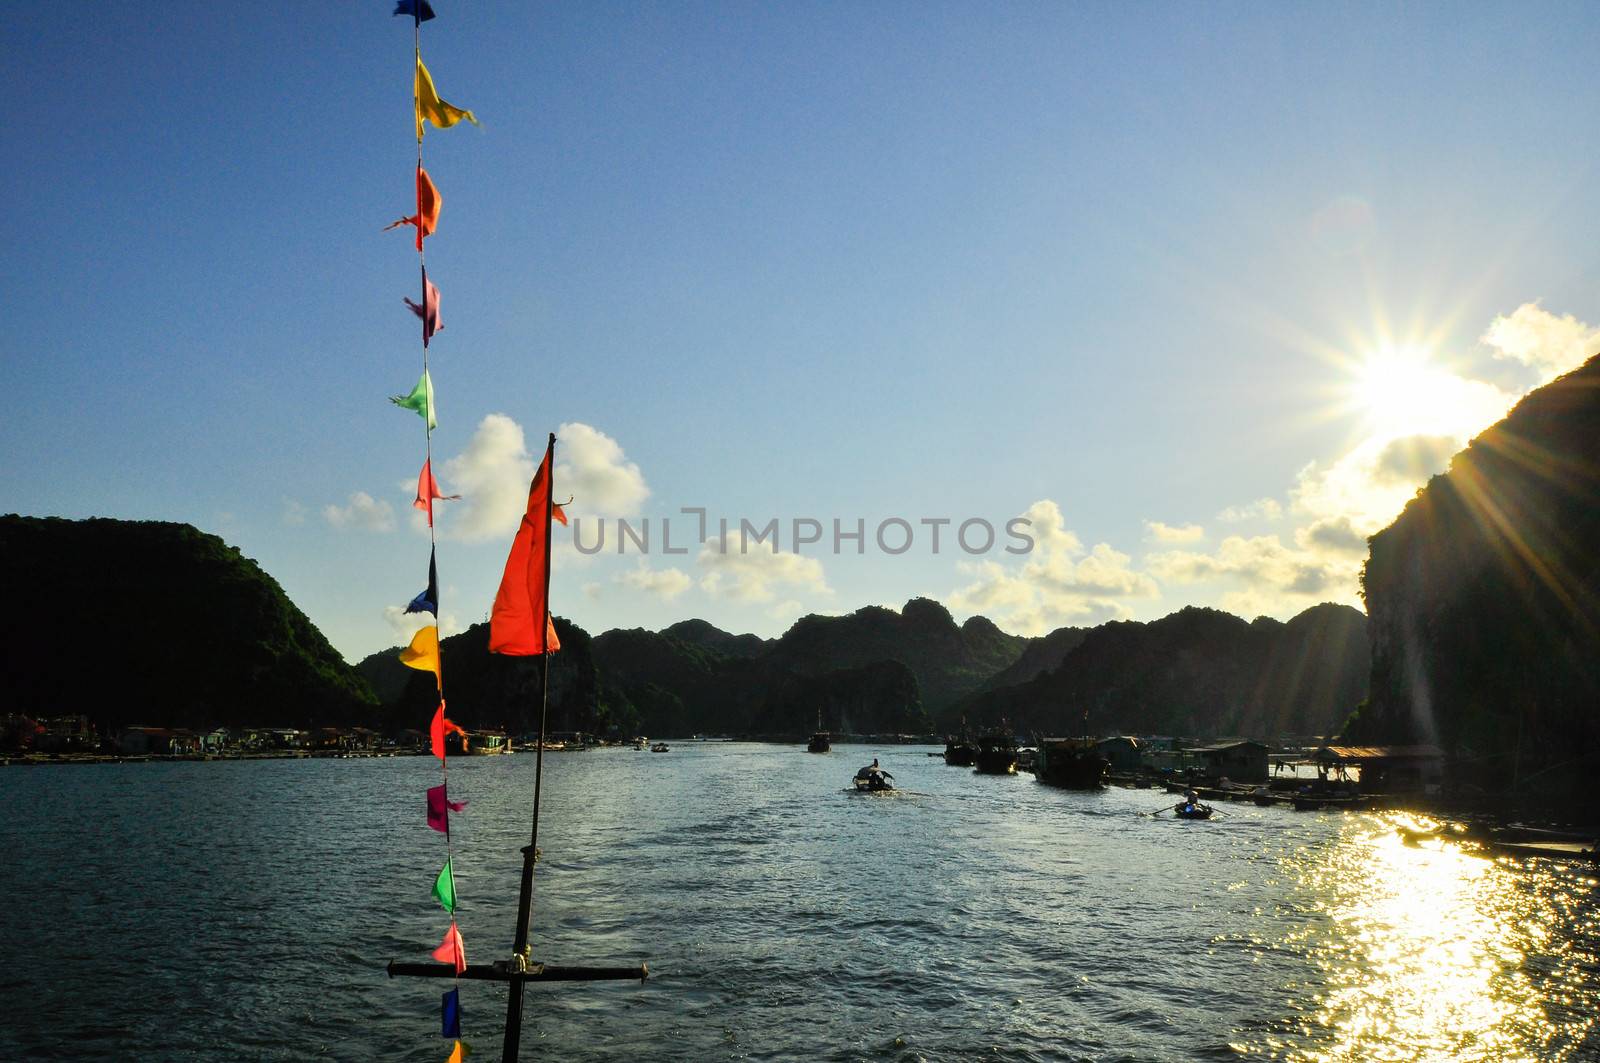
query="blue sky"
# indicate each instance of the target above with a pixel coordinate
(1205, 290)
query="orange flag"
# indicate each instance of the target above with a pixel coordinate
(437, 729)
(428, 490)
(428, 203)
(452, 949)
(520, 624)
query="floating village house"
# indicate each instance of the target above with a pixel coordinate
(1123, 753)
(1387, 769)
(1236, 761)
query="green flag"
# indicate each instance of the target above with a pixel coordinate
(420, 400)
(444, 888)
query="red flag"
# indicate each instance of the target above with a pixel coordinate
(437, 729)
(428, 203)
(428, 490)
(520, 624)
(452, 949)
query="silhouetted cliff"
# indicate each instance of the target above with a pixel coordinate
(147, 622)
(1484, 598)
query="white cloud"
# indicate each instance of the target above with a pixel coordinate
(1261, 509)
(1170, 533)
(492, 477)
(666, 583)
(592, 469)
(1262, 564)
(404, 624)
(1332, 535)
(1535, 337)
(756, 575)
(591, 591)
(364, 513)
(294, 512)
(1057, 584)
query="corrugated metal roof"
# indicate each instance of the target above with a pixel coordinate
(1226, 745)
(1421, 752)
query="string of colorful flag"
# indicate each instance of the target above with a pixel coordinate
(423, 653)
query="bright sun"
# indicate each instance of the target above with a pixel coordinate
(1403, 393)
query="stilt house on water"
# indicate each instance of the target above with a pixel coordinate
(1237, 761)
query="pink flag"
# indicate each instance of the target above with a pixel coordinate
(452, 949)
(429, 310)
(428, 490)
(438, 819)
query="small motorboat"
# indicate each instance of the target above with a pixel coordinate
(820, 743)
(1191, 810)
(660, 747)
(873, 779)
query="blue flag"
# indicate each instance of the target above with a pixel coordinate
(451, 1007)
(420, 10)
(428, 600)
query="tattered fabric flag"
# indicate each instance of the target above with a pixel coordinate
(452, 949)
(423, 653)
(428, 600)
(459, 1053)
(419, 10)
(429, 310)
(557, 513)
(444, 888)
(450, 1008)
(429, 106)
(420, 400)
(437, 729)
(428, 203)
(428, 490)
(438, 802)
(519, 624)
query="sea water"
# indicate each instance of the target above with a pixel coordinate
(246, 910)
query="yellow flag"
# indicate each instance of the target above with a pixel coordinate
(431, 107)
(423, 653)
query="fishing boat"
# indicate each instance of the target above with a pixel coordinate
(996, 755)
(822, 741)
(1073, 763)
(660, 747)
(960, 752)
(487, 743)
(1191, 810)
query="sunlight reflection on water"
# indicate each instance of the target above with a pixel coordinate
(1434, 951)
(247, 910)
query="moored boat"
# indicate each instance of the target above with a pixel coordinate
(960, 752)
(487, 743)
(660, 747)
(996, 755)
(821, 742)
(1075, 763)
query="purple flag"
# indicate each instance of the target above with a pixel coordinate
(429, 310)
(438, 818)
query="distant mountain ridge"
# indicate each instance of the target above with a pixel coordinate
(228, 647)
(1195, 672)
